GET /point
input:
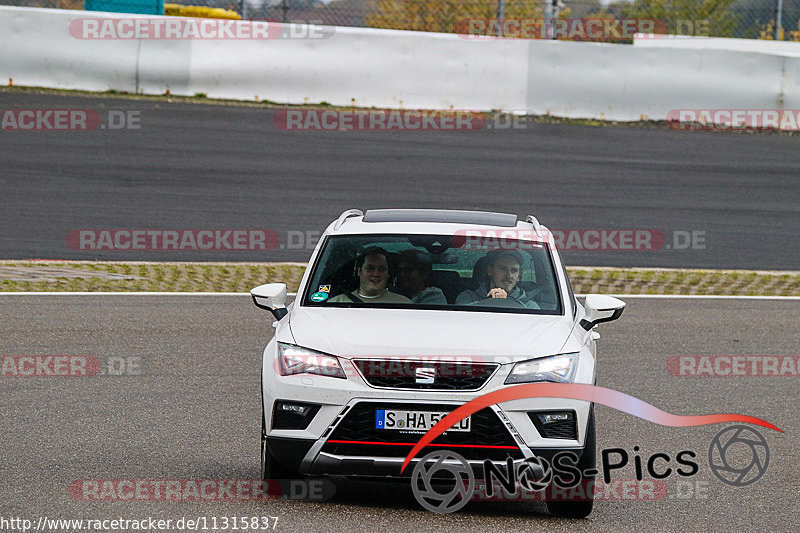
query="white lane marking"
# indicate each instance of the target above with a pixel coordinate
(122, 293)
(689, 296)
(702, 296)
(67, 293)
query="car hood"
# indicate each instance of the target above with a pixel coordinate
(396, 333)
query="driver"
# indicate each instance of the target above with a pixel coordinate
(502, 276)
(372, 268)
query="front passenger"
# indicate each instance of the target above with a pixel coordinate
(372, 268)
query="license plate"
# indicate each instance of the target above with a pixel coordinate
(414, 420)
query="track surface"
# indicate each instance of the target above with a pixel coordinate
(206, 166)
(194, 413)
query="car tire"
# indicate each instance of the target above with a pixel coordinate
(582, 508)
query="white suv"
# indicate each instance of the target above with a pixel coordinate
(404, 314)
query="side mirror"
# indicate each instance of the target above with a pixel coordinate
(601, 308)
(271, 297)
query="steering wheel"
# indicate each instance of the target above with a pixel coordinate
(509, 302)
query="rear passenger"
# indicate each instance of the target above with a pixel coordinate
(414, 279)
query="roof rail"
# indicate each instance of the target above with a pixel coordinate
(535, 223)
(344, 216)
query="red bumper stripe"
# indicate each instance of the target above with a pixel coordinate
(413, 443)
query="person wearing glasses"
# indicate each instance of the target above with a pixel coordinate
(372, 269)
(413, 277)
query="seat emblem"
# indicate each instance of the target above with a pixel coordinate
(425, 375)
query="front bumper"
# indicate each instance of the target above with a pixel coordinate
(322, 448)
(351, 446)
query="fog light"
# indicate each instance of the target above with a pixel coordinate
(293, 415)
(293, 408)
(555, 424)
(547, 418)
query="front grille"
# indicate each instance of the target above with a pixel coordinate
(422, 375)
(356, 435)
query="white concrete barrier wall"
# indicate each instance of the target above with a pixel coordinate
(621, 82)
(790, 90)
(397, 69)
(693, 42)
(367, 67)
(37, 49)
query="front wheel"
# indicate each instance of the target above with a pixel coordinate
(580, 508)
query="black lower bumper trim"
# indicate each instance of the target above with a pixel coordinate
(329, 464)
(373, 467)
(289, 452)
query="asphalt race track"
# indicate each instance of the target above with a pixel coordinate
(192, 412)
(216, 167)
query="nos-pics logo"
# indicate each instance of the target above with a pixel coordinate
(444, 482)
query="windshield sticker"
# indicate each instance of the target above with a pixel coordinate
(320, 296)
(324, 288)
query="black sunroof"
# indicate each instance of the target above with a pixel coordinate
(482, 218)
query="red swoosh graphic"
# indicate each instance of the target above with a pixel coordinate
(576, 391)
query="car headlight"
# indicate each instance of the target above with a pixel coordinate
(557, 368)
(296, 360)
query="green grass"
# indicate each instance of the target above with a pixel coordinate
(241, 277)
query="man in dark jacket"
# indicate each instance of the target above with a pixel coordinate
(502, 275)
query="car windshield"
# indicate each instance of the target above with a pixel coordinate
(434, 272)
